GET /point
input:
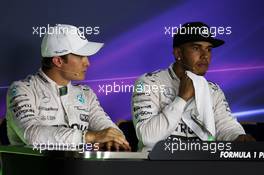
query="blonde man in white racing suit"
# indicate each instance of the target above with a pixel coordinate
(47, 108)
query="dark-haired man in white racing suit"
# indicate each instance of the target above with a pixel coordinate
(172, 109)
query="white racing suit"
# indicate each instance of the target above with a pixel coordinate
(38, 113)
(157, 110)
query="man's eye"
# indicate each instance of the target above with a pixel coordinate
(195, 48)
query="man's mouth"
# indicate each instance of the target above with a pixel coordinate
(202, 65)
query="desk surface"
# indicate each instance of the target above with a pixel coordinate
(25, 160)
(28, 150)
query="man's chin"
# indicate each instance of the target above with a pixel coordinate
(80, 78)
(201, 73)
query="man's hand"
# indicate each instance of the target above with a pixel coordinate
(112, 146)
(186, 90)
(245, 138)
(109, 135)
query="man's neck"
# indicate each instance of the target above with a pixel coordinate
(56, 77)
(178, 70)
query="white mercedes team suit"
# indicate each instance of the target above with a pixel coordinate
(158, 114)
(37, 112)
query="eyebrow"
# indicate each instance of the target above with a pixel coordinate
(197, 44)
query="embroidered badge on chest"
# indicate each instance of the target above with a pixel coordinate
(14, 91)
(80, 98)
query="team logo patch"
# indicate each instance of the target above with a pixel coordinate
(81, 35)
(13, 91)
(45, 97)
(169, 93)
(84, 117)
(80, 98)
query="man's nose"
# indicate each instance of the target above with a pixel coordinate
(205, 54)
(86, 62)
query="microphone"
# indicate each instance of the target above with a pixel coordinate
(74, 73)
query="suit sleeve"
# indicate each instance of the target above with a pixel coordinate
(227, 126)
(25, 123)
(98, 119)
(152, 122)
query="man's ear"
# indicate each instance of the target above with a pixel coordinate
(57, 61)
(177, 53)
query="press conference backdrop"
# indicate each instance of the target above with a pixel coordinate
(138, 39)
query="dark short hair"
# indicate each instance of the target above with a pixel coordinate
(46, 62)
